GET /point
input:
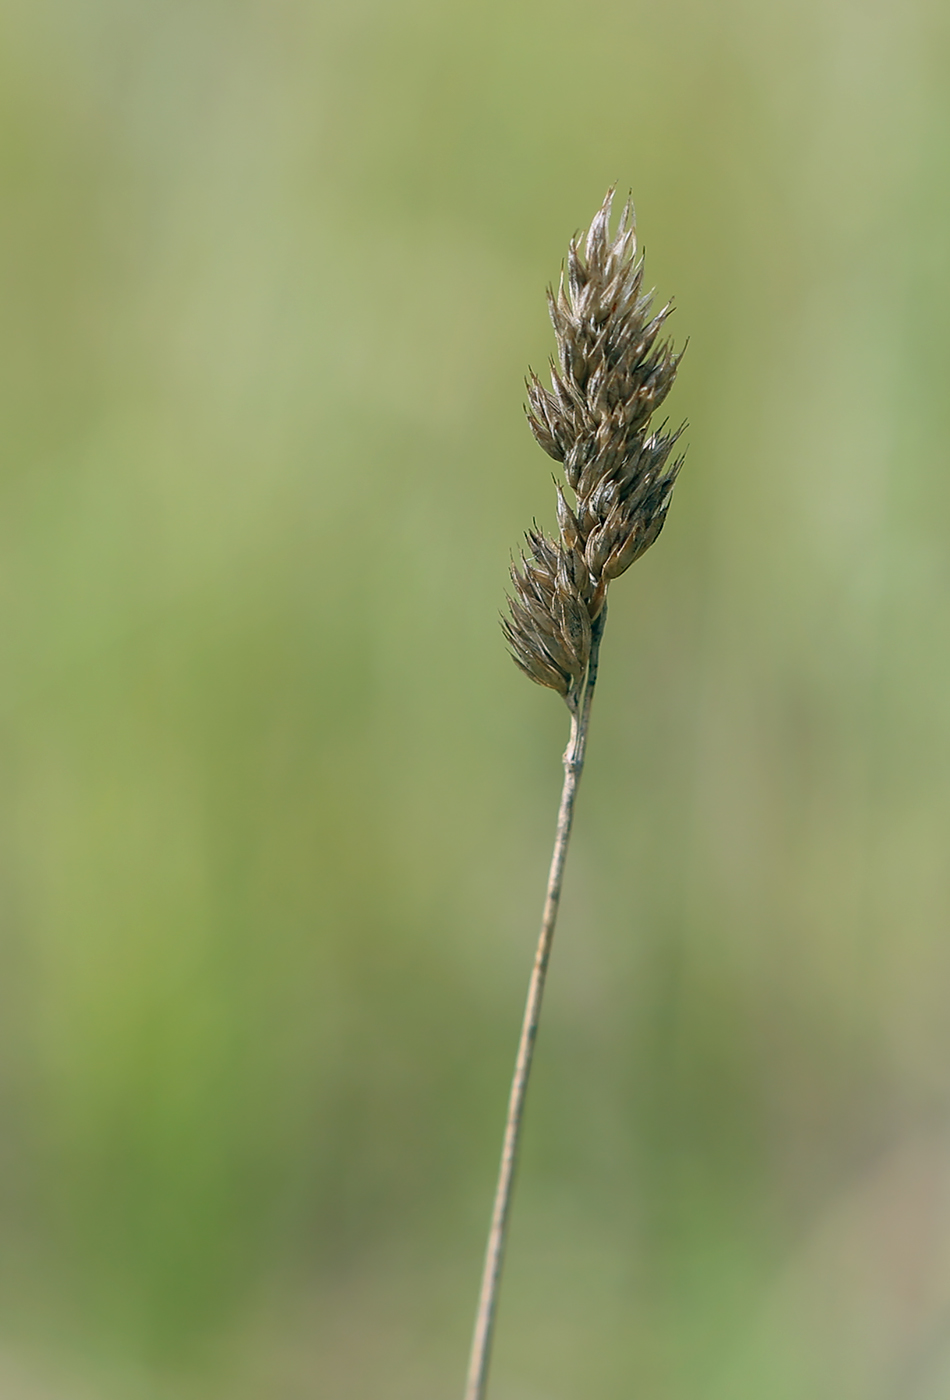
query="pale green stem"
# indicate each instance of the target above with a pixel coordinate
(494, 1255)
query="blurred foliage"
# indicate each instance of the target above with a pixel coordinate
(277, 806)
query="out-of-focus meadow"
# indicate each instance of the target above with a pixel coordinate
(276, 807)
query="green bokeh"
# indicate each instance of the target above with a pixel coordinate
(276, 806)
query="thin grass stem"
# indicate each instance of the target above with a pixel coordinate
(477, 1382)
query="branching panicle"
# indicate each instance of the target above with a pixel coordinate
(612, 372)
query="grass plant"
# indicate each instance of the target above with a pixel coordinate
(613, 371)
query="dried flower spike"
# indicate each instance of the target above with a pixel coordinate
(612, 373)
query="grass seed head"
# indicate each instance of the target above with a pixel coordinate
(612, 372)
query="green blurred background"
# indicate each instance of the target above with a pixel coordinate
(276, 806)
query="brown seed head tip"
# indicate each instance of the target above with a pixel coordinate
(611, 374)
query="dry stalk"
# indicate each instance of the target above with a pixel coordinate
(612, 373)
